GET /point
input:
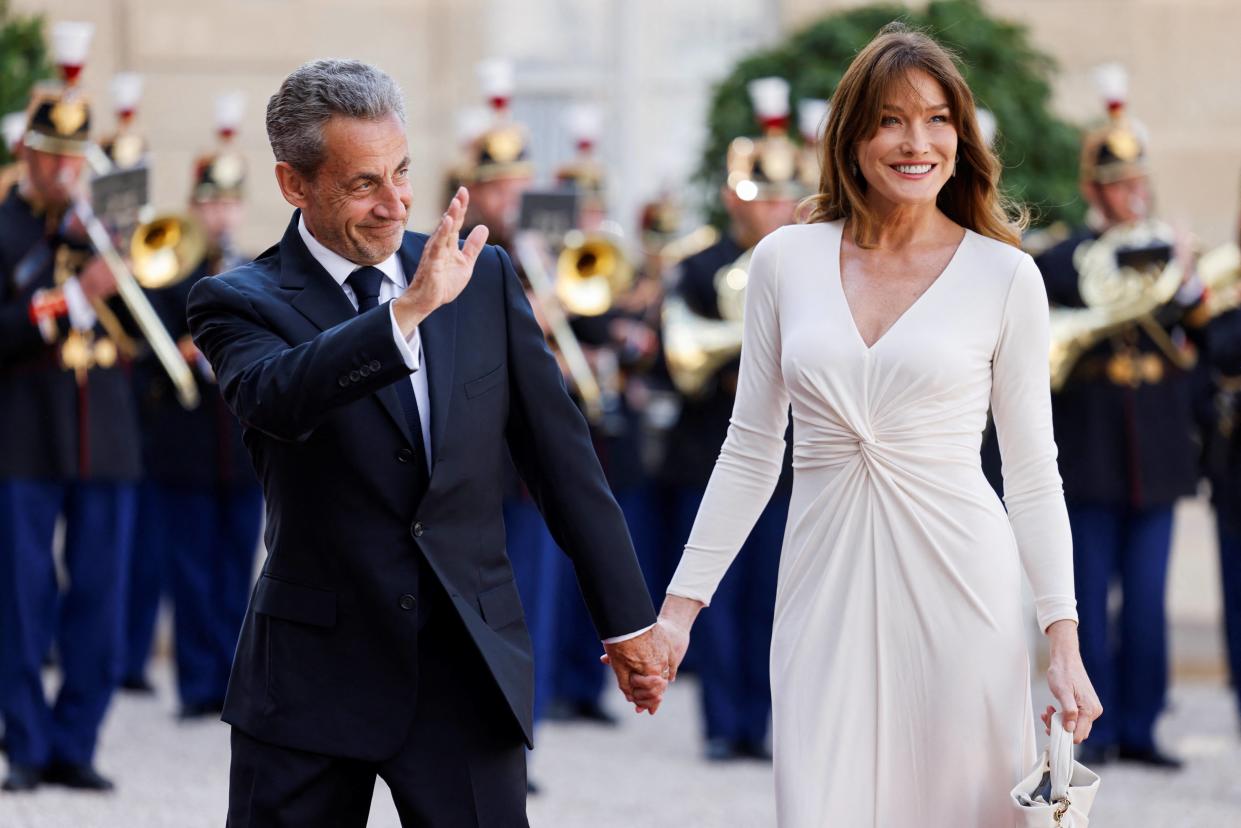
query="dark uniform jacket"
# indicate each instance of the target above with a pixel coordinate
(50, 427)
(328, 652)
(199, 447)
(695, 441)
(1119, 444)
(1218, 395)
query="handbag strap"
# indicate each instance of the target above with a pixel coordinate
(1060, 759)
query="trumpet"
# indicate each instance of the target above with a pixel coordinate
(696, 347)
(591, 272)
(164, 257)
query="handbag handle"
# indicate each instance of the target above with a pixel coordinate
(1060, 759)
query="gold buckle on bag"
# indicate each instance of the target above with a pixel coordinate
(1062, 808)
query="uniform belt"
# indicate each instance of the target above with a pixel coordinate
(1127, 369)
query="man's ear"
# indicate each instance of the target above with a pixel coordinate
(294, 186)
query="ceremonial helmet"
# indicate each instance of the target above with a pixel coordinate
(58, 117)
(1115, 149)
(502, 150)
(221, 173)
(584, 174)
(766, 167)
(126, 147)
(811, 120)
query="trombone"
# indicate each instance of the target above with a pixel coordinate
(165, 250)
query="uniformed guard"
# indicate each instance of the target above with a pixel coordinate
(127, 147)
(199, 506)
(68, 448)
(1219, 408)
(1124, 427)
(620, 344)
(732, 642)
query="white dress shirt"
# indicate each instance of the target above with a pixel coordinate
(394, 283)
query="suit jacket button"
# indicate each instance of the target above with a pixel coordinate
(343, 381)
(365, 371)
(354, 376)
(374, 366)
(407, 602)
(404, 455)
(416, 529)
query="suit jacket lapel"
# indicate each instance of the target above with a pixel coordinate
(320, 299)
(439, 337)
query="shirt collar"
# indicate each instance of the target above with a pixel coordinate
(340, 268)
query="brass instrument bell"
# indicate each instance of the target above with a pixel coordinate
(591, 272)
(166, 249)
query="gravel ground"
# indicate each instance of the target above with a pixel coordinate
(645, 772)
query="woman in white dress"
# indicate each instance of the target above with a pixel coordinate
(890, 322)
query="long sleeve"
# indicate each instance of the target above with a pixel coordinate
(1021, 405)
(749, 463)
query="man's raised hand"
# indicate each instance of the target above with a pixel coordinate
(444, 269)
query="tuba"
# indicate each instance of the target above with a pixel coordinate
(1124, 276)
(696, 347)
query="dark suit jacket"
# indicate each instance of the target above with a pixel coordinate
(327, 656)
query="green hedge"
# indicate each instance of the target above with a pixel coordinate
(23, 61)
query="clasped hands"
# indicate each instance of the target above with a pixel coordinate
(645, 664)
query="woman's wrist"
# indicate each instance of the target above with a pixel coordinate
(680, 612)
(1062, 637)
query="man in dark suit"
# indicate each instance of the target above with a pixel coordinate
(378, 376)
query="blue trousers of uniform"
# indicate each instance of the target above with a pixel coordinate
(197, 544)
(1126, 657)
(83, 620)
(732, 637)
(535, 566)
(579, 677)
(1230, 582)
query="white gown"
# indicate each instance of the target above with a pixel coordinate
(899, 670)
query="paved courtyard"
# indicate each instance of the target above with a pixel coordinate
(646, 772)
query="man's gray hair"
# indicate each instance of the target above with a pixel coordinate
(316, 91)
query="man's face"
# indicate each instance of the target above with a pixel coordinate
(357, 202)
(1122, 202)
(497, 203)
(220, 217)
(53, 178)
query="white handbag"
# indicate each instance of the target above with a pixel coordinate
(1059, 792)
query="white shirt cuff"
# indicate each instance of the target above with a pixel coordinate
(82, 315)
(618, 639)
(409, 348)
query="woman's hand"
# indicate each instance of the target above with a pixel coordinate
(676, 617)
(1069, 684)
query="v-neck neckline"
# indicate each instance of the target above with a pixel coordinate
(844, 297)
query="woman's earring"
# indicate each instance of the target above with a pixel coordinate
(955, 163)
(854, 169)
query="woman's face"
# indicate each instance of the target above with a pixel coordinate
(912, 153)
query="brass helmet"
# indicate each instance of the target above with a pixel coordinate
(58, 117)
(502, 150)
(584, 174)
(1115, 149)
(766, 167)
(811, 121)
(126, 147)
(221, 173)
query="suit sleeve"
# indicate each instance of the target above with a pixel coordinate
(286, 390)
(551, 447)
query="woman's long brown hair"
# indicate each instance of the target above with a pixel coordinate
(971, 197)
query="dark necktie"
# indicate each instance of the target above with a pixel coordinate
(365, 282)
